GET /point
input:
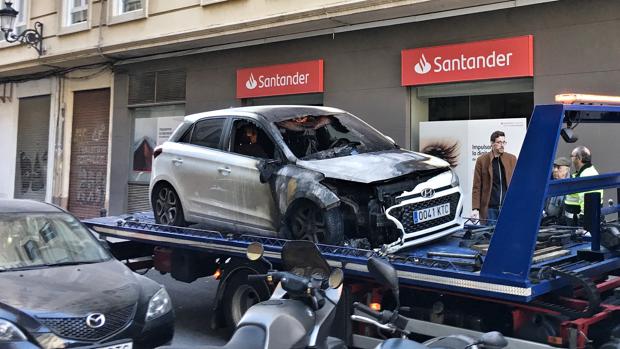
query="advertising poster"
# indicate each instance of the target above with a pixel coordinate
(461, 142)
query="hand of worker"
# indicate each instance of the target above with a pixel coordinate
(475, 214)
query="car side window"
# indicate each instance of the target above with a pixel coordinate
(207, 133)
(250, 139)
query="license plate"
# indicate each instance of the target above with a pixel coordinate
(427, 214)
(125, 345)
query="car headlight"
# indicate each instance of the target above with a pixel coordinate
(10, 333)
(455, 179)
(159, 305)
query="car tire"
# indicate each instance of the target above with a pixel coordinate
(239, 295)
(167, 207)
(307, 221)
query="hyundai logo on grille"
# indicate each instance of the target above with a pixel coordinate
(427, 193)
(95, 320)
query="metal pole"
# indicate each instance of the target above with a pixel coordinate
(592, 218)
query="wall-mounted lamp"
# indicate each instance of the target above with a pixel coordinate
(30, 37)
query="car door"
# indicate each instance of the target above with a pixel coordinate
(200, 172)
(253, 200)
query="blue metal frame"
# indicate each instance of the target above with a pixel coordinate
(509, 257)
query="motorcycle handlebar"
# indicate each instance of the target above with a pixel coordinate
(384, 317)
(257, 277)
(366, 310)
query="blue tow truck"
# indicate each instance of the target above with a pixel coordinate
(542, 286)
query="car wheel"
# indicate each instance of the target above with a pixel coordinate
(240, 295)
(310, 222)
(167, 207)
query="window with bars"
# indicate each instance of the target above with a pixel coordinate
(77, 11)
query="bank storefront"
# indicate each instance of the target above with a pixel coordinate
(486, 66)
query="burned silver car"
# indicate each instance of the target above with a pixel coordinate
(301, 172)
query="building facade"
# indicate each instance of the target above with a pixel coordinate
(125, 79)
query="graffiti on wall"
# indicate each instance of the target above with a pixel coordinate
(90, 151)
(32, 168)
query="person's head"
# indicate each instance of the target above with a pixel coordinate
(301, 119)
(580, 157)
(561, 168)
(250, 133)
(498, 141)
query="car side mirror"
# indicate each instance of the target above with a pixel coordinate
(267, 167)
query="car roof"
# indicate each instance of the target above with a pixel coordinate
(272, 113)
(25, 206)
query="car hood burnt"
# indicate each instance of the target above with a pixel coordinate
(374, 167)
(70, 290)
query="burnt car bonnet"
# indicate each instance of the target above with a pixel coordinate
(373, 167)
(71, 290)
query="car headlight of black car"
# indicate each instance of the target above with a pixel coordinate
(159, 305)
(455, 179)
(10, 333)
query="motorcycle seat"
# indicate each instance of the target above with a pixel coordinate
(245, 337)
(399, 343)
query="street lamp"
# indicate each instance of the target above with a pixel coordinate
(31, 37)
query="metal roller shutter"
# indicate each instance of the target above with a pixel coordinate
(32, 145)
(89, 152)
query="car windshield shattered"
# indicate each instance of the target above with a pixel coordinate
(35, 240)
(313, 137)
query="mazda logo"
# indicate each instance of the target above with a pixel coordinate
(95, 320)
(427, 193)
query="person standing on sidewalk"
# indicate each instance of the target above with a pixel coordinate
(492, 176)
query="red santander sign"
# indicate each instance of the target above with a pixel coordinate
(481, 60)
(282, 79)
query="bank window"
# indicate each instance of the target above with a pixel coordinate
(152, 126)
(207, 133)
(76, 11)
(496, 106)
(21, 22)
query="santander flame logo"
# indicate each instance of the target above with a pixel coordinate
(251, 83)
(422, 67)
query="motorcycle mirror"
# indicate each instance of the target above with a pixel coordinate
(336, 278)
(255, 251)
(383, 272)
(493, 340)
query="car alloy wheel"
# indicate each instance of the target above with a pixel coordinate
(307, 223)
(167, 206)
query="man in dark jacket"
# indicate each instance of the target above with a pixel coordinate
(491, 179)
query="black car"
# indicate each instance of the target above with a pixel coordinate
(61, 288)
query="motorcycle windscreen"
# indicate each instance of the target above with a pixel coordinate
(304, 258)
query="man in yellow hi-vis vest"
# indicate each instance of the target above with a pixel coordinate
(574, 203)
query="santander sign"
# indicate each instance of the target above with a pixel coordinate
(282, 79)
(490, 59)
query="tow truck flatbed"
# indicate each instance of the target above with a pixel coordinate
(557, 276)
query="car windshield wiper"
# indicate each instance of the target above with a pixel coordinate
(59, 264)
(29, 267)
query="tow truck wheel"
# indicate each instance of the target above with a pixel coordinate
(239, 296)
(310, 222)
(167, 207)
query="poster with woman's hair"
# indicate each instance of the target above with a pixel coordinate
(461, 142)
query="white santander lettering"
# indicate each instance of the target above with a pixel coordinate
(493, 60)
(283, 80)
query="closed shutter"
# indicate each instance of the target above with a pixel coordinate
(89, 152)
(138, 198)
(157, 87)
(32, 144)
